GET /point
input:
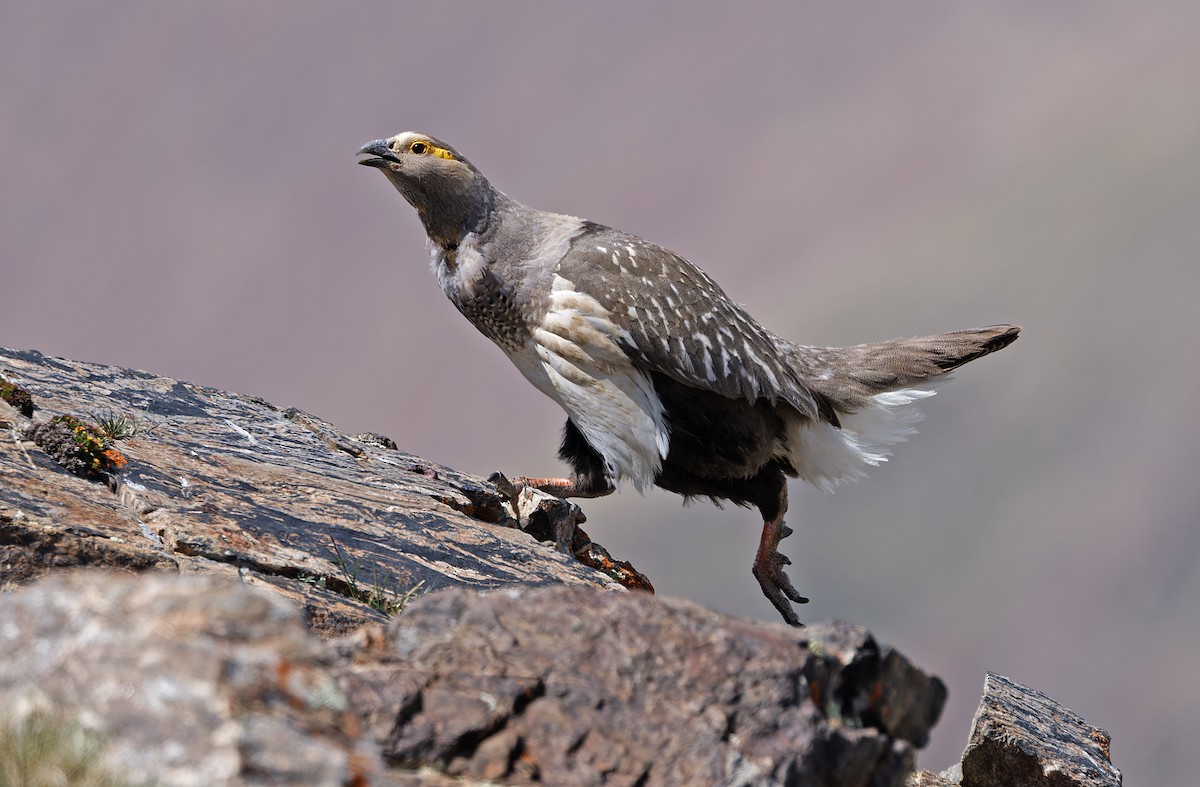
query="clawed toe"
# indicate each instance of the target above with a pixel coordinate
(505, 487)
(778, 588)
(768, 570)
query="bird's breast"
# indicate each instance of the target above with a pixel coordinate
(481, 296)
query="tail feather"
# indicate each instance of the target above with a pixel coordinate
(850, 376)
(873, 391)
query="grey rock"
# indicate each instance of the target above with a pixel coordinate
(927, 779)
(193, 680)
(202, 680)
(571, 686)
(1022, 738)
(223, 482)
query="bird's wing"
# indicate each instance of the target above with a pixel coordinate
(677, 321)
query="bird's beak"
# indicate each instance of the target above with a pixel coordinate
(381, 154)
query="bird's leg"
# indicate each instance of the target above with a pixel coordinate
(559, 487)
(564, 487)
(769, 561)
(591, 476)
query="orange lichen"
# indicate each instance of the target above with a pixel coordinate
(115, 460)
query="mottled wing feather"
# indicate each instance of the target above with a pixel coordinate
(679, 321)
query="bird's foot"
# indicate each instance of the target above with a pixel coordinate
(540, 507)
(507, 489)
(768, 570)
(559, 487)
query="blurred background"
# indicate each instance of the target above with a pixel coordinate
(179, 193)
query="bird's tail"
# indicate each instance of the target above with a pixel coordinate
(849, 377)
(873, 391)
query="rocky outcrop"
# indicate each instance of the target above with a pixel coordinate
(283, 603)
(212, 481)
(570, 686)
(1022, 738)
(204, 680)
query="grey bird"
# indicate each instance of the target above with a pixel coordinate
(664, 379)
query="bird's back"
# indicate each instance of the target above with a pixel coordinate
(680, 323)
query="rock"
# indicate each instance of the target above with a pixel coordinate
(951, 777)
(193, 680)
(1022, 738)
(571, 686)
(199, 680)
(220, 482)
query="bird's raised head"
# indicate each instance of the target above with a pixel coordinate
(406, 145)
(444, 187)
(419, 159)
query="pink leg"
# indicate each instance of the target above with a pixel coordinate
(769, 563)
(559, 487)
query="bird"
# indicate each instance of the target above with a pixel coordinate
(665, 380)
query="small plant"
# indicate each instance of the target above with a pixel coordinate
(80, 448)
(118, 426)
(17, 396)
(379, 595)
(400, 598)
(313, 580)
(93, 445)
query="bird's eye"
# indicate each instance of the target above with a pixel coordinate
(419, 148)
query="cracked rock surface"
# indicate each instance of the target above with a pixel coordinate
(1022, 737)
(203, 680)
(569, 686)
(227, 482)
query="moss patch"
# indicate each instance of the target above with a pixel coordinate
(17, 396)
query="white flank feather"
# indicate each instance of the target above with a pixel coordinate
(827, 455)
(573, 357)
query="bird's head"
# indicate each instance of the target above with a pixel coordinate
(446, 189)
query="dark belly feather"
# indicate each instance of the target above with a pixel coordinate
(721, 448)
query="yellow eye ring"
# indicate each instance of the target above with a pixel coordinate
(418, 148)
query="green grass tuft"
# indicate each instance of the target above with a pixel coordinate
(380, 594)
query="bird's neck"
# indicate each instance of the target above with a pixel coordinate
(466, 213)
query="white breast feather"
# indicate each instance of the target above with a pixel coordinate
(459, 280)
(574, 358)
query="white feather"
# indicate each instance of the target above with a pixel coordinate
(573, 357)
(827, 455)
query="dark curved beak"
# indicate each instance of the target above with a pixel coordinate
(381, 154)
